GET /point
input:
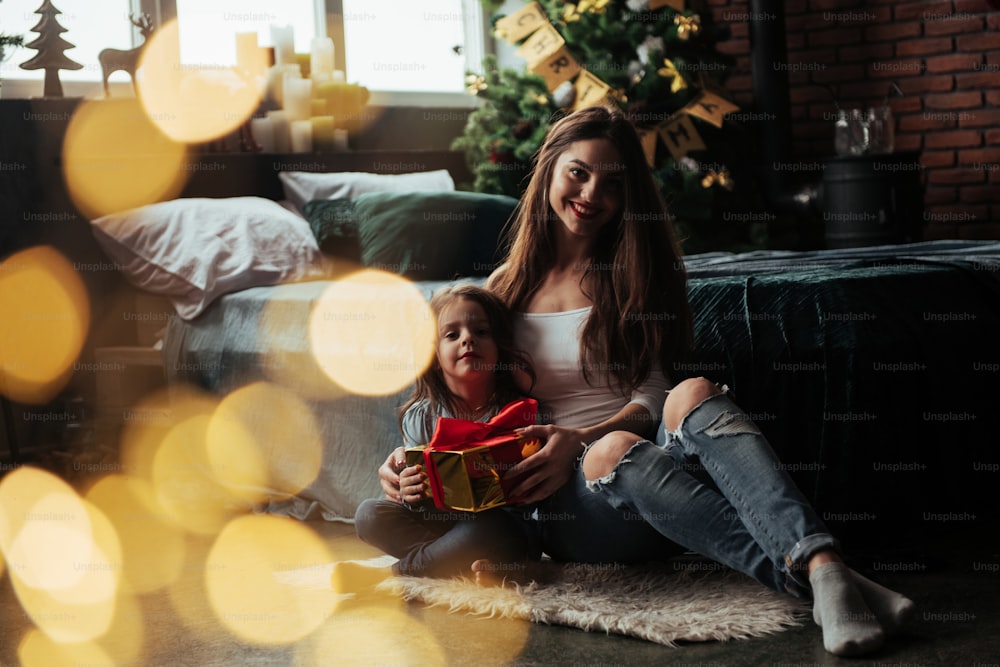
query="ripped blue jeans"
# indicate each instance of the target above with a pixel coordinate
(714, 486)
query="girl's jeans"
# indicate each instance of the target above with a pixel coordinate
(657, 502)
(438, 543)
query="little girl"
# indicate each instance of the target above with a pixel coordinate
(472, 378)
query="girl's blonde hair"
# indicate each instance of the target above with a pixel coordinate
(641, 316)
(431, 385)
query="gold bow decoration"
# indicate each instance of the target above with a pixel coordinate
(668, 71)
(687, 26)
(475, 84)
(721, 178)
(570, 13)
(593, 6)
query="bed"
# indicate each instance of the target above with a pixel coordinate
(868, 369)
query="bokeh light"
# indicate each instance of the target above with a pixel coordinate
(115, 158)
(263, 441)
(64, 556)
(46, 315)
(194, 102)
(148, 422)
(152, 546)
(375, 634)
(184, 484)
(283, 361)
(372, 332)
(38, 650)
(242, 587)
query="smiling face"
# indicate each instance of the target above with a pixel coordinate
(466, 350)
(587, 190)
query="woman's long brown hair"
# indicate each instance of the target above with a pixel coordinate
(636, 278)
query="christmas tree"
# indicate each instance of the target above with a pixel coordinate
(50, 47)
(656, 60)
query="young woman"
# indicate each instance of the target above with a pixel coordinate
(595, 277)
(471, 378)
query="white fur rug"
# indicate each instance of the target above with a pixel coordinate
(663, 603)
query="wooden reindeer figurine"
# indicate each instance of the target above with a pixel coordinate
(114, 60)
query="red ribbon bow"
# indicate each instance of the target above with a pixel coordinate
(458, 434)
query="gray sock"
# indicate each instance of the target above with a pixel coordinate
(892, 609)
(849, 626)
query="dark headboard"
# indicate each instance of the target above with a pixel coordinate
(256, 174)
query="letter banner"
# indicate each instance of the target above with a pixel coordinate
(543, 43)
(557, 68)
(710, 107)
(515, 27)
(680, 136)
(590, 90)
(648, 140)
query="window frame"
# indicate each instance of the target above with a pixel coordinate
(329, 13)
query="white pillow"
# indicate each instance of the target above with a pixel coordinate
(195, 250)
(302, 187)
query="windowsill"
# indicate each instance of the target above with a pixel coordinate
(32, 89)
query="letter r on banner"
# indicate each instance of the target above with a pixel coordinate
(558, 67)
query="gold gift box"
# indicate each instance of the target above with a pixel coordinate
(471, 479)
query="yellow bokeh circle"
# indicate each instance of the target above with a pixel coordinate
(115, 158)
(46, 315)
(193, 102)
(372, 332)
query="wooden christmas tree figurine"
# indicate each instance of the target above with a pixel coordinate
(50, 47)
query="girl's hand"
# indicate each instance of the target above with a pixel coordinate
(388, 475)
(551, 467)
(413, 484)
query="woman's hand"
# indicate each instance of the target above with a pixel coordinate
(551, 467)
(399, 483)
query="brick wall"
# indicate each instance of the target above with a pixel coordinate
(945, 56)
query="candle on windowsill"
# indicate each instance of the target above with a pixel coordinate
(301, 136)
(321, 56)
(283, 37)
(262, 131)
(340, 140)
(297, 97)
(250, 57)
(282, 132)
(322, 133)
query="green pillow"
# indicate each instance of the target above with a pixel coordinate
(421, 235)
(332, 223)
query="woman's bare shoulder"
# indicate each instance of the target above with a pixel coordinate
(494, 278)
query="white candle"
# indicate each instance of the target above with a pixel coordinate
(262, 130)
(301, 136)
(283, 38)
(282, 133)
(321, 57)
(297, 97)
(340, 140)
(249, 57)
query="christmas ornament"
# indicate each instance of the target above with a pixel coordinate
(564, 95)
(475, 84)
(668, 71)
(720, 178)
(687, 26)
(50, 47)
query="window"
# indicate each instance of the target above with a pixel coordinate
(404, 52)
